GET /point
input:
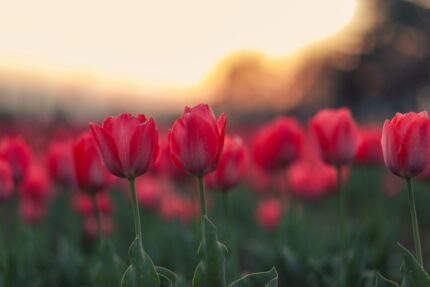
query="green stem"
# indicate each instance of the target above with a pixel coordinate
(342, 208)
(202, 196)
(136, 217)
(229, 222)
(98, 215)
(414, 222)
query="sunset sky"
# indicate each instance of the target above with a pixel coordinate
(157, 44)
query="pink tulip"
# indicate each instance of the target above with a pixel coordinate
(128, 145)
(335, 134)
(196, 140)
(405, 141)
(369, 150)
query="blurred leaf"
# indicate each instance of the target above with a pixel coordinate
(210, 272)
(381, 281)
(109, 267)
(266, 279)
(167, 275)
(141, 271)
(413, 274)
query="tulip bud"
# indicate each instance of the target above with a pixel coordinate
(405, 142)
(335, 134)
(196, 140)
(128, 145)
(269, 213)
(369, 150)
(60, 162)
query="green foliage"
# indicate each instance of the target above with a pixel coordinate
(266, 279)
(413, 274)
(141, 271)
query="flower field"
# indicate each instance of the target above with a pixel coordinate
(325, 201)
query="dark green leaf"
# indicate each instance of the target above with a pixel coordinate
(141, 271)
(413, 274)
(109, 268)
(210, 272)
(266, 279)
(167, 275)
(381, 281)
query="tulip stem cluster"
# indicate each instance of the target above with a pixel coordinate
(202, 196)
(414, 220)
(137, 225)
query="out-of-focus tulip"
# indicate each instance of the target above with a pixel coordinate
(149, 191)
(128, 145)
(91, 175)
(60, 162)
(166, 167)
(369, 150)
(335, 134)
(17, 152)
(6, 180)
(35, 194)
(405, 142)
(232, 167)
(278, 144)
(83, 203)
(311, 179)
(269, 213)
(91, 228)
(196, 140)
(174, 206)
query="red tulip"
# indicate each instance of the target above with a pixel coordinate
(128, 145)
(335, 135)
(6, 180)
(196, 140)
(269, 213)
(60, 162)
(405, 142)
(91, 175)
(17, 152)
(369, 150)
(278, 144)
(232, 167)
(311, 179)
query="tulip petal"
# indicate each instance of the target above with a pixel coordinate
(391, 147)
(415, 143)
(107, 149)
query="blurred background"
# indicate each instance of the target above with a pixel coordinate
(82, 60)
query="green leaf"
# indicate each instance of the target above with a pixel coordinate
(167, 275)
(210, 272)
(413, 274)
(381, 281)
(266, 279)
(141, 271)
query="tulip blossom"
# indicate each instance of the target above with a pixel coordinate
(232, 167)
(196, 140)
(17, 152)
(369, 150)
(128, 145)
(91, 175)
(269, 213)
(6, 180)
(60, 162)
(335, 134)
(405, 141)
(278, 144)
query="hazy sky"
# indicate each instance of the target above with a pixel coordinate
(158, 43)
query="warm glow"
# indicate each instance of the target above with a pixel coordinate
(158, 43)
